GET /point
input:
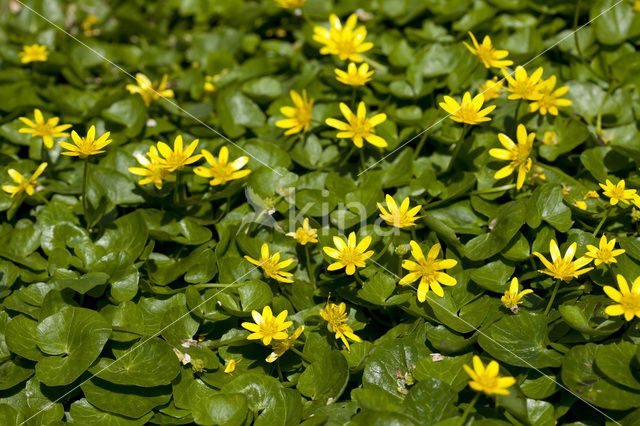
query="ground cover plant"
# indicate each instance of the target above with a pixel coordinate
(320, 212)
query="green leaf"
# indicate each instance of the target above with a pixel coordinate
(325, 379)
(82, 412)
(494, 276)
(618, 362)
(613, 21)
(510, 219)
(447, 370)
(430, 401)
(128, 401)
(547, 204)
(221, 409)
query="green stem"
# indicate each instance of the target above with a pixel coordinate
(576, 40)
(85, 178)
(303, 356)
(553, 297)
(363, 164)
(468, 409)
(515, 115)
(307, 19)
(377, 65)
(312, 276)
(346, 158)
(599, 116)
(177, 195)
(421, 143)
(458, 147)
(606, 215)
(383, 251)
(354, 91)
(358, 278)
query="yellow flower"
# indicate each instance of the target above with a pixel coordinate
(208, 84)
(22, 184)
(491, 89)
(488, 55)
(428, 270)
(305, 234)
(349, 255)
(150, 91)
(617, 193)
(550, 138)
(487, 380)
(34, 53)
(336, 317)
(628, 301)
(550, 99)
(47, 130)
(591, 194)
(400, 217)
(231, 365)
(87, 25)
(355, 76)
(469, 111)
(605, 253)
(358, 126)
(220, 170)
(154, 171)
(636, 5)
(522, 86)
(563, 268)
(512, 297)
(299, 115)
(346, 42)
(282, 346)
(517, 155)
(86, 146)
(267, 327)
(271, 266)
(290, 4)
(177, 158)
(581, 204)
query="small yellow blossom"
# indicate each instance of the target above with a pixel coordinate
(271, 266)
(21, 183)
(617, 193)
(344, 41)
(290, 4)
(517, 155)
(487, 379)
(231, 365)
(469, 111)
(428, 270)
(358, 126)
(299, 115)
(488, 55)
(86, 146)
(550, 99)
(178, 157)
(563, 268)
(220, 170)
(400, 217)
(34, 53)
(522, 86)
(336, 317)
(209, 85)
(636, 5)
(512, 296)
(87, 25)
(349, 254)
(47, 130)
(267, 327)
(628, 301)
(605, 253)
(354, 76)
(305, 234)
(550, 138)
(491, 89)
(282, 346)
(155, 171)
(581, 204)
(150, 91)
(591, 194)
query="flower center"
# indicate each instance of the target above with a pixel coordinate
(351, 256)
(631, 302)
(44, 129)
(487, 382)
(428, 270)
(485, 54)
(269, 328)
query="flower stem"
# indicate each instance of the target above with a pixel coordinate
(553, 296)
(312, 276)
(383, 251)
(303, 356)
(346, 157)
(85, 178)
(468, 409)
(377, 65)
(177, 195)
(610, 90)
(515, 115)
(423, 139)
(358, 278)
(606, 215)
(353, 97)
(458, 147)
(362, 162)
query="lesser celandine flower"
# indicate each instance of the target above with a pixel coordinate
(628, 301)
(154, 171)
(581, 204)
(178, 157)
(219, 170)
(34, 53)
(271, 265)
(488, 55)
(84, 147)
(290, 4)
(550, 99)
(344, 41)
(617, 193)
(512, 296)
(267, 327)
(491, 89)
(282, 346)
(518, 155)
(523, 86)
(23, 184)
(299, 115)
(400, 217)
(336, 318)
(355, 76)
(358, 126)
(231, 365)
(47, 130)
(148, 90)
(563, 268)
(487, 379)
(469, 111)
(88, 23)
(605, 253)
(305, 234)
(550, 138)
(428, 270)
(350, 254)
